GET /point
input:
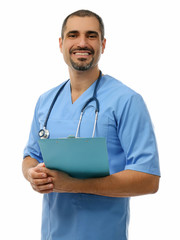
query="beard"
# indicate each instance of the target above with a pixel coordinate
(81, 65)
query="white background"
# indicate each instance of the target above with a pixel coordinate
(143, 51)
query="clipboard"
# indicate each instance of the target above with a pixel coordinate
(79, 157)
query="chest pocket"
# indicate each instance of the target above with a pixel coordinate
(60, 128)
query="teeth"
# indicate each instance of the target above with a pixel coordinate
(82, 54)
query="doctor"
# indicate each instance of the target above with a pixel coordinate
(92, 209)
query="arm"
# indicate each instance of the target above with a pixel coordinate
(127, 183)
(39, 181)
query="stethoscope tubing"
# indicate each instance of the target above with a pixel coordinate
(44, 133)
(53, 102)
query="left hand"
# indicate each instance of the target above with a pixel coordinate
(61, 181)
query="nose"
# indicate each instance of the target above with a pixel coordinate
(82, 41)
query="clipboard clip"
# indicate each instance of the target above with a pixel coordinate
(71, 136)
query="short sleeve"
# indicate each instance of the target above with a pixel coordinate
(137, 137)
(32, 148)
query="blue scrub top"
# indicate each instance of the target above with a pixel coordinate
(125, 123)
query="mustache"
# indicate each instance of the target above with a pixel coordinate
(82, 49)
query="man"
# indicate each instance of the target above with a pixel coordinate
(95, 208)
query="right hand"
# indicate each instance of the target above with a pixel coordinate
(40, 181)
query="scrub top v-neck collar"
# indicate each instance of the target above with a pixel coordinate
(83, 97)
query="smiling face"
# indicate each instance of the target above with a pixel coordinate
(82, 45)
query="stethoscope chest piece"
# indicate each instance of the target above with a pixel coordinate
(44, 133)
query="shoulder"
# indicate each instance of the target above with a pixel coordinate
(120, 100)
(50, 92)
(49, 95)
(116, 91)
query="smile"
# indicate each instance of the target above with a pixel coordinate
(81, 54)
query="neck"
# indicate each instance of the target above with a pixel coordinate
(81, 81)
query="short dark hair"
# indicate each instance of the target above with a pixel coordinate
(84, 13)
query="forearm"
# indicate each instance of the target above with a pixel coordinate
(127, 183)
(28, 163)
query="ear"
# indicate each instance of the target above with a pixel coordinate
(103, 45)
(60, 44)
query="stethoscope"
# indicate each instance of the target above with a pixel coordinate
(44, 133)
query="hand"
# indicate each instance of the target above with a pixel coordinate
(40, 181)
(62, 182)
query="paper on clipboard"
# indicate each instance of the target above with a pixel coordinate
(79, 157)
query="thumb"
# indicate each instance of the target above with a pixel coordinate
(41, 164)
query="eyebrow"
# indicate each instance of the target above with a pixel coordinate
(88, 32)
(74, 31)
(93, 32)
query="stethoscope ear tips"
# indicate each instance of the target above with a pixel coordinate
(44, 133)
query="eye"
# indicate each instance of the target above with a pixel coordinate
(72, 35)
(92, 36)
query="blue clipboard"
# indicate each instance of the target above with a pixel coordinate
(79, 157)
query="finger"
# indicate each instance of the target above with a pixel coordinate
(42, 188)
(41, 165)
(34, 174)
(42, 191)
(41, 181)
(47, 171)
